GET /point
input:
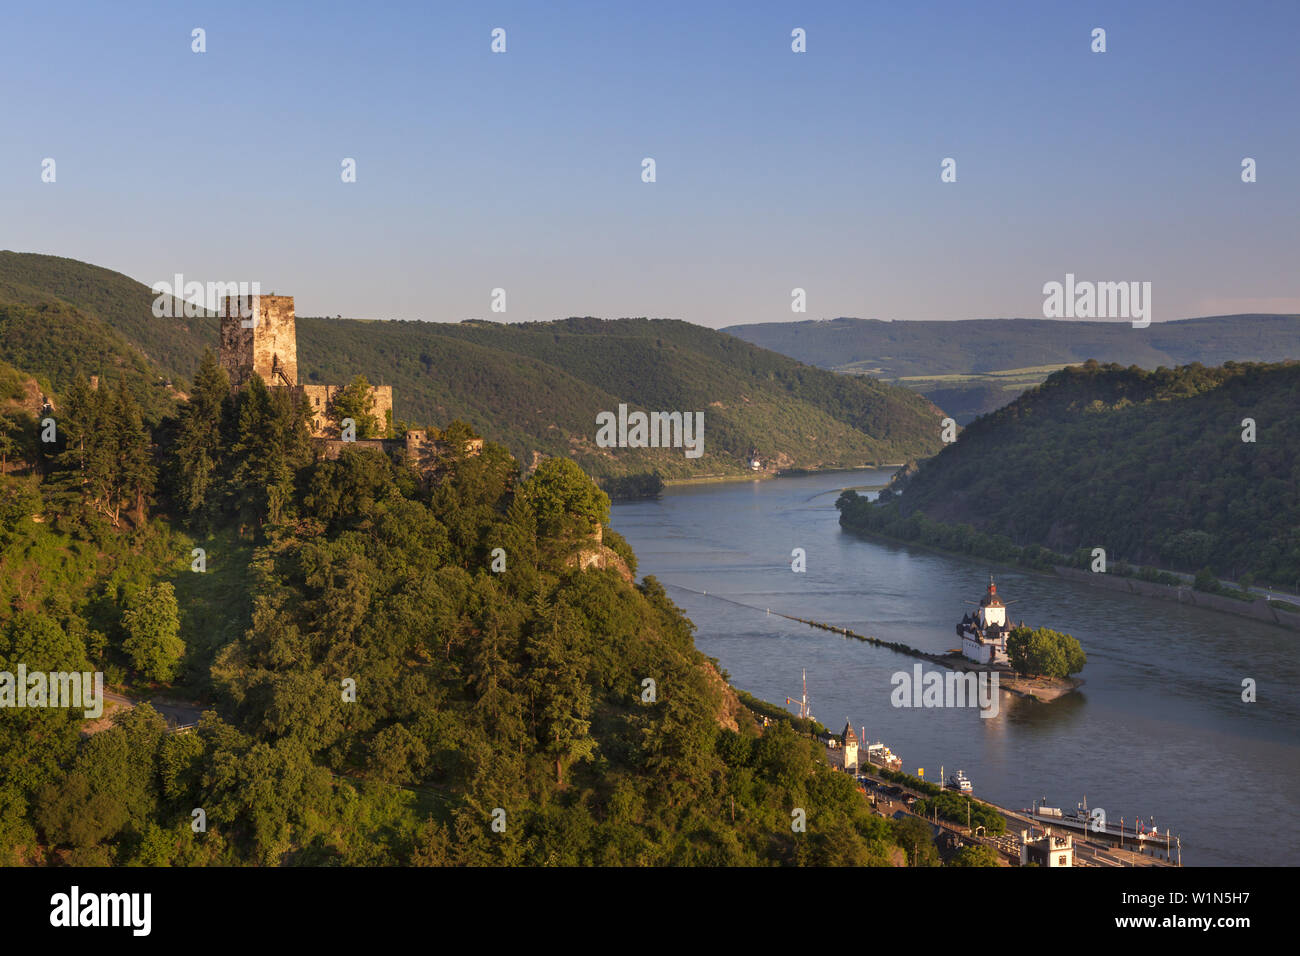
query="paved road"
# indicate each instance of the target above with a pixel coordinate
(176, 713)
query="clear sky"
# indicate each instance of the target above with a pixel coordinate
(775, 170)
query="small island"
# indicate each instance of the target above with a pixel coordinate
(1037, 662)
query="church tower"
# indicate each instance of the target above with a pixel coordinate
(258, 334)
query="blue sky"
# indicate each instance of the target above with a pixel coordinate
(775, 170)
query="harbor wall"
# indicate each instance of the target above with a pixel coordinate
(1185, 594)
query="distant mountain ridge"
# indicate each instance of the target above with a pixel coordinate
(986, 345)
(951, 362)
(534, 387)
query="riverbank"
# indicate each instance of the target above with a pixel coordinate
(1259, 610)
(764, 475)
(1154, 678)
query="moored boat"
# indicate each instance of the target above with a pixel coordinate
(882, 756)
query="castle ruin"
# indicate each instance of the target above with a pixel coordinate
(259, 337)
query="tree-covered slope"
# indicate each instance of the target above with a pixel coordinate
(538, 387)
(534, 387)
(378, 688)
(1151, 466)
(175, 345)
(56, 342)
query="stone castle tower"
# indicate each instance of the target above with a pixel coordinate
(258, 334)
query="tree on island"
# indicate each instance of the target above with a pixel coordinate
(1045, 652)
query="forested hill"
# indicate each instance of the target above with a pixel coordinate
(60, 319)
(445, 667)
(539, 386)
(535, 387)
(1151, 466)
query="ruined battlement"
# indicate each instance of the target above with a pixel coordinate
(259, 336)
(318, 398)
(422, 453)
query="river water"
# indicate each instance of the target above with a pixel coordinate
(1159, 729)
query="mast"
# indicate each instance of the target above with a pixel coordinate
(803, 701)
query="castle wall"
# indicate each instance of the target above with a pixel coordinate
(268, 347)
(318, 399)
(331, 448)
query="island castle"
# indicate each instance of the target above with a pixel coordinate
(259, 336)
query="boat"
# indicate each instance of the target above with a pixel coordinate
(882, 756)
(804, 711)
(959, 781)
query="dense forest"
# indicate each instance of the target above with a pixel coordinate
(975, 366)
(536, 388)
(392, 667)
(1192, 469)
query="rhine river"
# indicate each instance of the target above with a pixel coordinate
(1158, 730)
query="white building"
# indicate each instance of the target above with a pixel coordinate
(1048, 849)
(850, 740)
(984, 634)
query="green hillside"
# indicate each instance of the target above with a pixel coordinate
(56, 343)
(1150, 466)
(369, 686)
(968, 367)
(535, 387)
(122, 303)
(538, 387)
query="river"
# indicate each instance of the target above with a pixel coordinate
(1159, 728)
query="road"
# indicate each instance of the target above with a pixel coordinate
(1007, 844)
(178, 714)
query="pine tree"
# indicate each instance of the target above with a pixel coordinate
(133, 476)
(561, 699)
(199, 438)
(271, 442)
